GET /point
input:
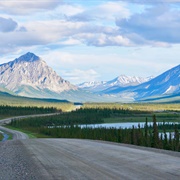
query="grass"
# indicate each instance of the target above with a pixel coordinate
(10, 136)
(7, 99)
(1, 137)
(163, 112)
(30, 134)
(4, 116)
(136, 106)
(167, 117)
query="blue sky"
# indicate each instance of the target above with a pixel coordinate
(96, 39)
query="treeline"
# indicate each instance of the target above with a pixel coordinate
(67, 123)
(147, 136)
(150, 107)
(16, 110)
(113, 111)
(167, 126)
(1, 137)
(80, 116)
(86, 116)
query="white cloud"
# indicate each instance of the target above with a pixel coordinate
(146, 28)
(101, 39)
(107, 63)
(66, 33)
(69, 10)
(156, 25)
(27, 6)
(38, 33)
(7, 25)
(106, 11)
(16, 40)
(83, 42)
(78, 75)
(149, 1)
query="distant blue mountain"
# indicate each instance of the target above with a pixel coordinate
(167, 83)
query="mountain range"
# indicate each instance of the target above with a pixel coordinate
(167, 83)
(120, 81)
(30, 76)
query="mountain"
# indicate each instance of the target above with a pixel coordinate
(30, 76)
(124, 80)
(6, 91)
(93, 86)
(167, 83)
(173, 98)
(120, 81)
(30, 73)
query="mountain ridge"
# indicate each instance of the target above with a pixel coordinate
(164, 84)
(120, 81)
(31, 70)
(30, 76)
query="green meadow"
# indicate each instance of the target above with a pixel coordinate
(18, 101)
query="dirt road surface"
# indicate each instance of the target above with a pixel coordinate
(74, 159)
(85, 159)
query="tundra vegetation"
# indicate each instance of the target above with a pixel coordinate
(148, 107)
(1, 136)
(11, 111)
(18, 101)
(66, 125)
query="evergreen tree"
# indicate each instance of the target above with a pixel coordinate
(155, 138)
(176, 137)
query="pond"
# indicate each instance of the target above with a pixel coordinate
(116, 125)
(5, 136)
(113, 125)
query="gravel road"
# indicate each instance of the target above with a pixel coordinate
(85, 159)
(8, 120)
(73, 159)
(16, 134)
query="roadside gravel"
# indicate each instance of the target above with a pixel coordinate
(16, 164)
(74, 159)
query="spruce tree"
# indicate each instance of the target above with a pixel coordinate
(155, 140)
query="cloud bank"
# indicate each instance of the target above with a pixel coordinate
(7, 25)
(160, 23)
(23, 7)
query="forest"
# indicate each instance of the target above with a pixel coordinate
(66, 125)
(1, 136)
(8, 111)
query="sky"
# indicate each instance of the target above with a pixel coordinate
(93, 40)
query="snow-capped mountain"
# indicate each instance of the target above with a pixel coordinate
(29, 73)
(124, 80)
(91, 84)
(30, 76)
(164, 84)
(120, 81)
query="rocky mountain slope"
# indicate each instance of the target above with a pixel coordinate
(30, 76)
(30, 70)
